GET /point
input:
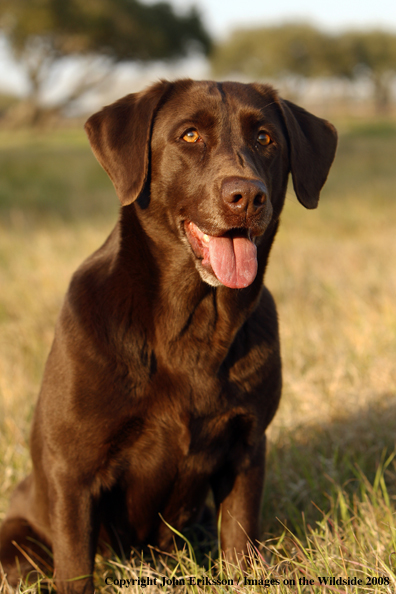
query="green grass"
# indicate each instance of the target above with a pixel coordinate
(51, 177)
(329, 503)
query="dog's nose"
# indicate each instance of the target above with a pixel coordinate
(241, 194)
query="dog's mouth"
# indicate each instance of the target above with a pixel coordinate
(231, 257)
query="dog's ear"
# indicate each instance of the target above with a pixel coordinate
(120, 137)
(313, 143)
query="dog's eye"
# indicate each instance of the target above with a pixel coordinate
(264, 139)
(191, 136)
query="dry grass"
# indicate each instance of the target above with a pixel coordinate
(331, 484)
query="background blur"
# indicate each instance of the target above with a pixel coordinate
(331, 482)
(67, 57)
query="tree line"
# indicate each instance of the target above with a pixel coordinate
(104, 33)
(100, 33)
(306, 51)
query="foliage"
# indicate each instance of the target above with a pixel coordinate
(42, 32)
(300, 49)
(365, 52)
(119, 29)
(270, 51)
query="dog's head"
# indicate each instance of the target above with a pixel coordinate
(210, 161)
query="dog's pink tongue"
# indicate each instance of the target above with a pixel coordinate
(233, 260)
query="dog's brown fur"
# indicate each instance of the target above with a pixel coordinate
(161, 380)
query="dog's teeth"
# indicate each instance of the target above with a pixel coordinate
(206, 238)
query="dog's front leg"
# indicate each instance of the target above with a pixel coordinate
(238, 500)
(75, 527)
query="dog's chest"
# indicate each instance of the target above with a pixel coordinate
(176, 443)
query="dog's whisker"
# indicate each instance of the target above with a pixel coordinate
(165, 369)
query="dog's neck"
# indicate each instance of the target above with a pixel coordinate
(175, 301)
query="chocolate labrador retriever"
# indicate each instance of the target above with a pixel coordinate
(165, 370)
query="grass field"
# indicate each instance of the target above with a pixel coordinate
(330, 497)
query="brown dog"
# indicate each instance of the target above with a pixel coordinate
(165, 369)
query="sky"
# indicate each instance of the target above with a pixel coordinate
(222, 16)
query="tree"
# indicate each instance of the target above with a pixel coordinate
(302, 50)
(43, 32)
(270, 51)
(370, 53)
